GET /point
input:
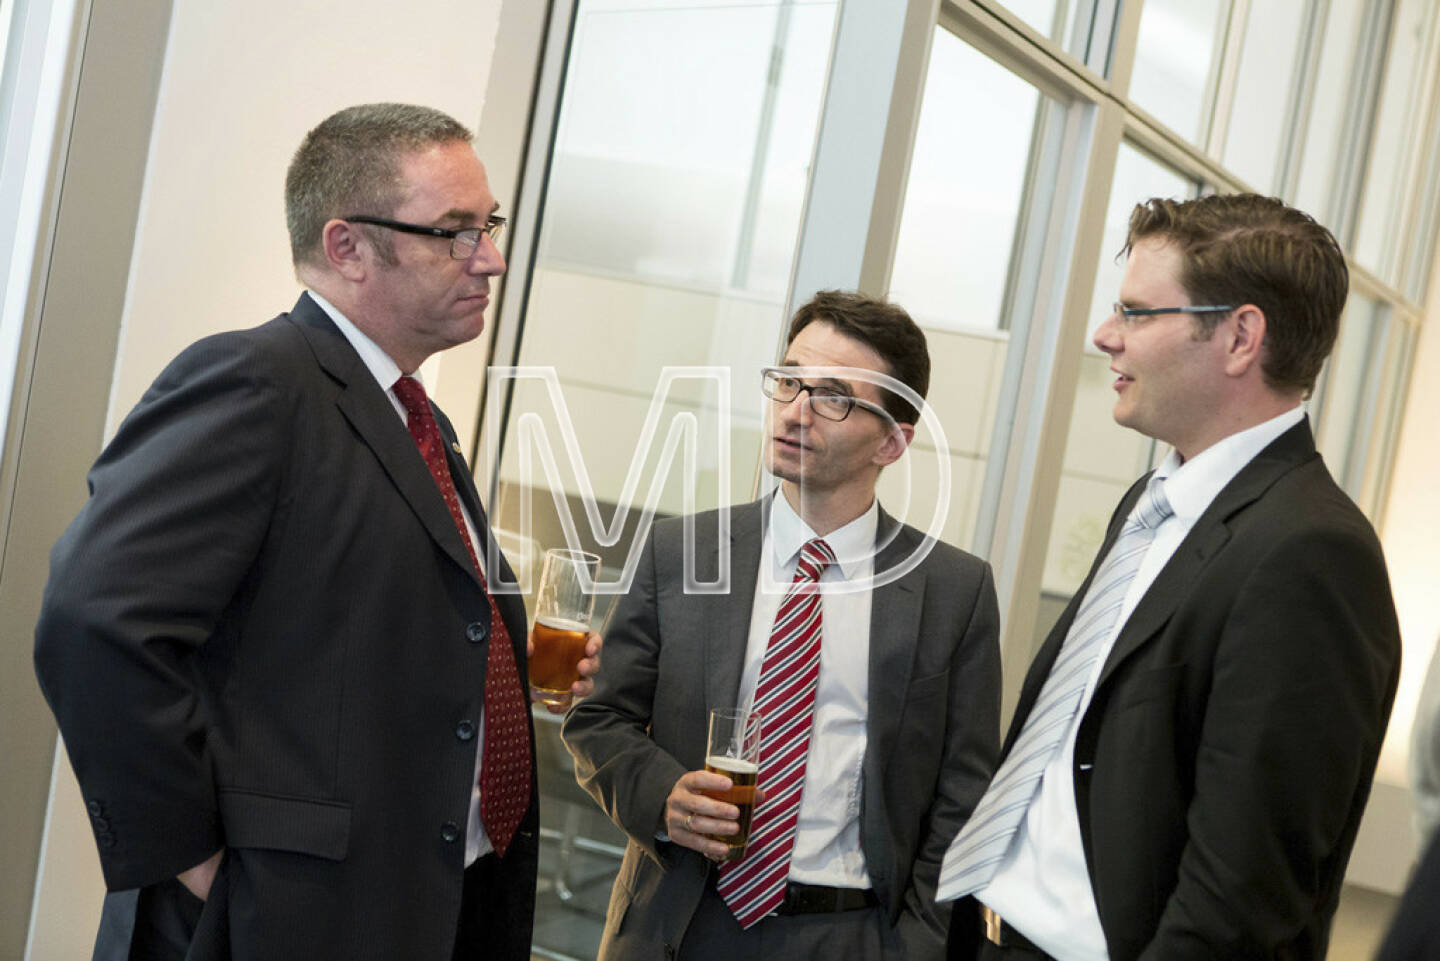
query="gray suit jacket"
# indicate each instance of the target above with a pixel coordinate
(670, 658)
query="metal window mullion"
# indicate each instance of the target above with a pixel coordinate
(1357, 131)
(524, 246)
(1300, 101)
(1220, 85)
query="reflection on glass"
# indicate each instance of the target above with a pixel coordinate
(1175, 61)
(1385, 180)
(1102, 458)
(1326, 133)
(666, 238)
(953, 257)
(1259, 112)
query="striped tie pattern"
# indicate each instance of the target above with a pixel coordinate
(505, 761)
(785, 697)
(980, 848)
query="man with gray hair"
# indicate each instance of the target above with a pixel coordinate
(295, 708)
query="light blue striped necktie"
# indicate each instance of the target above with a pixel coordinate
(981, 846)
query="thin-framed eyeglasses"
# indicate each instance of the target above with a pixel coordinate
(831, 403)
(1131, 314)
(463, 240)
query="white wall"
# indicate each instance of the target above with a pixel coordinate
(242, 83)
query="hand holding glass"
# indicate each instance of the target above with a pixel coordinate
(563, 605)
(734, 751)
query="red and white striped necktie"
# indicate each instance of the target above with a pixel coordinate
(754, 886)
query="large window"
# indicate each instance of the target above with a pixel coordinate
(684, 176)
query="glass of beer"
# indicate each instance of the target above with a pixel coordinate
(734, 751)
(563, 605)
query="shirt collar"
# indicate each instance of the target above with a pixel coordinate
(1191, 486)
(385, 371)
(853, 544)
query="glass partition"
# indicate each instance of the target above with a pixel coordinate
(955, 255)
(1176, 60)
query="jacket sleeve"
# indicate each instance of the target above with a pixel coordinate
(1302, 684)
(609, 731)
(972, 742)
(180, 502)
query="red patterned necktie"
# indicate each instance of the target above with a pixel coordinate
(785, 697)
(505, 767)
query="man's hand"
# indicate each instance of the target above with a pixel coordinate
(199, 878)
(589, 664)
(688, 813)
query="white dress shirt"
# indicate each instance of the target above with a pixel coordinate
(386, 372)
(1043, 887)
(827, 840)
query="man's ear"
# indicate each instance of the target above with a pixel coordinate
(897, 439)
(346, 249)
(1244, 343)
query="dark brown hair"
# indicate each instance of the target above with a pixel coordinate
(1246, 249)
(350, 165)
(883, 327)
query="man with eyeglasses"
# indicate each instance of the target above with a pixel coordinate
(296, 710)
(879, 701)
(1194, 743)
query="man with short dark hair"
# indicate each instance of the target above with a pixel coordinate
(295, 709)
(879, 688)
(1195, 740)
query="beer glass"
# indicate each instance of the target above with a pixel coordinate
(734, 751)
(563, 606)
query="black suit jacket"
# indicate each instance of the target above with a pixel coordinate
(1224, 761)
(263, 633)
(670, 657)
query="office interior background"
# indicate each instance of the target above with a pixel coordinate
(680, 174)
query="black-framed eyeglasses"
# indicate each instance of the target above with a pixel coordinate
(463, 241)
(831, 403)
(1132, 314)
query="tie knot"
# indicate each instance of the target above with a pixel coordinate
(412, 395)
(1154, 507)
(815, 556)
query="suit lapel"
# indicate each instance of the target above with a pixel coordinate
(1174, 582)
(725, 618)
(366, 406)
(894, 633)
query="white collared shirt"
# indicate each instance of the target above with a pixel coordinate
(827, 840)
(386, 372)
(1043, 887)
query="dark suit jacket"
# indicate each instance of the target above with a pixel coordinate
(1223, 764)
(263, 633)
(1414, 933)
(670, 658)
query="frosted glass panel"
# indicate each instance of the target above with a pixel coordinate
(1258, 115)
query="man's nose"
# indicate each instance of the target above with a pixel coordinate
(486, 258)
(1107, 335)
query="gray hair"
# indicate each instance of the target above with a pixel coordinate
(350, 165)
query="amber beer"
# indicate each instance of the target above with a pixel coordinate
(743, 776)
(555, 664)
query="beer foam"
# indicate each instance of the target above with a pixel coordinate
(732, 765)
(563, 624)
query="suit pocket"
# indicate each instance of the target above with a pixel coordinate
(279, 823)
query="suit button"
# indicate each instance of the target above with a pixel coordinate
(449, 832)
(477, 632)
(465, 730)
(101, 824)
(94, 808)
(106, 840)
